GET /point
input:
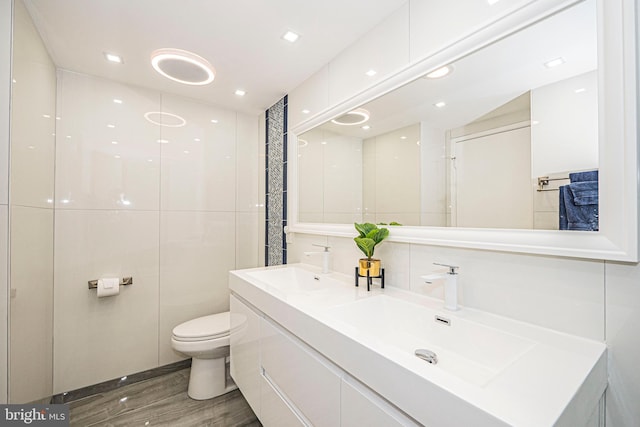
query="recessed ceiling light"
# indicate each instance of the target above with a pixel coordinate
(492, 2)
(440, 72)
(403, 137)
(110, 126)
(366, 127)
(186, 151)
(355, 117)
(117, 101)
(214, 121)
(323, 142)
(117, 156)
(305, 111)
(554, 62)
(46, 116)
(290, 36)
(240, 92)
(580, 90)
(114, 142)
(302, 142)
(112, 57)
(162, 118)
(440, 104)
(183, 66)
(371, 73)
(196, 139)
(162, 141)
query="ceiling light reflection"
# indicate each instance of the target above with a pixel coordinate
(354, 117)
(162, 118)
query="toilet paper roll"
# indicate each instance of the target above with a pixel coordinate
(108, 287)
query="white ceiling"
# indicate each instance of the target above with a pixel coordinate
(240, 38)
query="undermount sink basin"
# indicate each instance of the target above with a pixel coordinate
(468, 350)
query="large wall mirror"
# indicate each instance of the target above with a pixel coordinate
(488, 147)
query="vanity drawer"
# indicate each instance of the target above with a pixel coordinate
(275, 411)
(306, 379)
(362, 407)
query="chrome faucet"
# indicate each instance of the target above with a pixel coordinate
(450, 285)
(325, 257)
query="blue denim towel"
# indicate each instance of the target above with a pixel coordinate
(583, 176)
(578, 216)
(584, 193)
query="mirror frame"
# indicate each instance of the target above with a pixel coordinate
(618, 143)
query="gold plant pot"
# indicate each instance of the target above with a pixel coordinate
(369, 265)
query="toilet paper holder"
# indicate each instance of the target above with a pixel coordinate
(93, 284)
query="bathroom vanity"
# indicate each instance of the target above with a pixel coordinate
(313, 349)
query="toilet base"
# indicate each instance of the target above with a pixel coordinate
(208, 379)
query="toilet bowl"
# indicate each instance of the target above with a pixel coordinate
(206, 341)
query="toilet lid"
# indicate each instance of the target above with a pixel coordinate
(203, 328)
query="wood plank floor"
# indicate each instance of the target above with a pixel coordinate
(160, 401)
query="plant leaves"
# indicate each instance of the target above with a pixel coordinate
(366, 245)
(382, 234)
(365, 228)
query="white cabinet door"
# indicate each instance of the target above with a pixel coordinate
(245, 351)
(362, 407)
(275, 411)
(301, 375)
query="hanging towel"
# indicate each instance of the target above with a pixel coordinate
(579, 204)
(583, 176)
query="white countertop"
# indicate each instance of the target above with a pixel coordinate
(553, 378)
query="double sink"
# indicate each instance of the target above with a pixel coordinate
(490, 370)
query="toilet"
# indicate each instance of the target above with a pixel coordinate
(206, 341)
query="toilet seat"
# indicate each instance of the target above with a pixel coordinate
(203, 328)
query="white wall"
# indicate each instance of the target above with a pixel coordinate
(170, 214)
(33, 126)
(6, 14)
(392, 177)
(564, 131)
(589, 298)
(331, 184)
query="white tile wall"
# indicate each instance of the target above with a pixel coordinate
(4, 298)
(97, 339)
(198, 159)
(250, 166)
(33, 113)
(622, 320)
(559, 293)
(31, 216)
(31, 310)
(107, 154)
(5, 100)
(197, 250)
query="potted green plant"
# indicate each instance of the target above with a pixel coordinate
(369, 236)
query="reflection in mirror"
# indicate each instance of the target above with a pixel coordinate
(487, 143)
